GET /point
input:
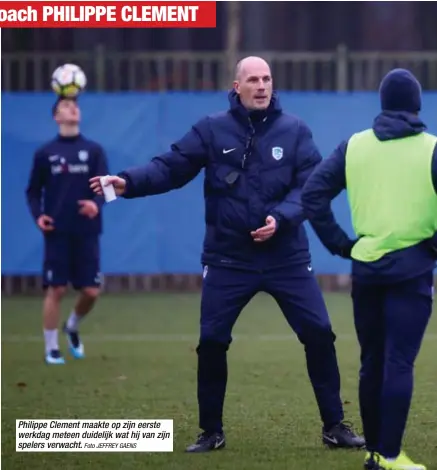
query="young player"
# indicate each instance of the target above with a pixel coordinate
(68, 214)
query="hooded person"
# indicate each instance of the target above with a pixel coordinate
(390, 174)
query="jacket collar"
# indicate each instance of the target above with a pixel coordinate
(252, 117)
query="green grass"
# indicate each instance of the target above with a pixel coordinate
(141, 363)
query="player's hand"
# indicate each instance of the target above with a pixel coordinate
(266, 232)
(45, 223)
(88, 208)
(118, 183)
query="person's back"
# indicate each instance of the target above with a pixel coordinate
(390, 174)
(394, 208)
(397, 167)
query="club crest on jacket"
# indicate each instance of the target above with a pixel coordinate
(277, 153)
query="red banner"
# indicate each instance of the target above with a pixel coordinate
(54, 14)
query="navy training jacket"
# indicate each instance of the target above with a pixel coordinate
(256, 164)
(329, 179)
(59, 178)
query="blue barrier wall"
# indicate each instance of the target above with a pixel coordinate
(164, 233)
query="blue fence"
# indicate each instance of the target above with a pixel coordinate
(162, 234)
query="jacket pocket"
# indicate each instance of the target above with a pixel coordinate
(232, 219)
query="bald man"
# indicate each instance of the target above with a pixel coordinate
(256, 160)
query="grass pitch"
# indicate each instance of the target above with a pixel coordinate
(141, 363)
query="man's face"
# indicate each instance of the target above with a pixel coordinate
(254, 85)
(68, 112)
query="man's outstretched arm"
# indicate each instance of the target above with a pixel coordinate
(171, 170)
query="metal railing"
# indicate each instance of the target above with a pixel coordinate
(339, 70)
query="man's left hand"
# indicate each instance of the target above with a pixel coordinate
(266, 232)
(88, 208)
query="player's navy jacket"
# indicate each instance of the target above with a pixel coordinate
(60, 178)
(328, 181)
(255, 165)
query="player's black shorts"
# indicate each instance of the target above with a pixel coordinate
(71, 259)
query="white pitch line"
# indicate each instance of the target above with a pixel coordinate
(157, 338)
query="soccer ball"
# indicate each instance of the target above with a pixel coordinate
(68, 80)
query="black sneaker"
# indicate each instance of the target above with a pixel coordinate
(342, 436)
(75, 346)
(208, 442)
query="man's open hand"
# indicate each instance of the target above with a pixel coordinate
(264, 233)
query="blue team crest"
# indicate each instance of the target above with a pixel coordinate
(277, 153)
(83, 155)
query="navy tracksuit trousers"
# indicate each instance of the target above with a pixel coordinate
(224, 295)
(390, 321)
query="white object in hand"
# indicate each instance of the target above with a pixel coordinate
(108, 191)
